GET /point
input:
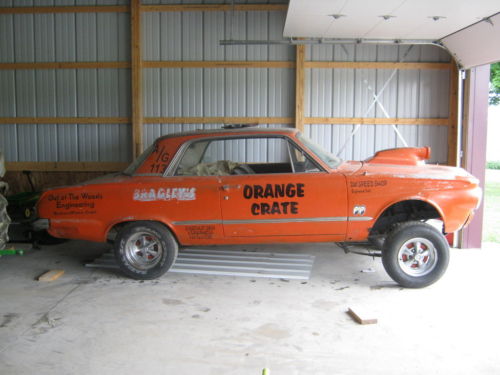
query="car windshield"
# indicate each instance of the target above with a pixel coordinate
(130, 170)
(328, 158)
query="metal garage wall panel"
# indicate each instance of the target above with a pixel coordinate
(320, 52)
(123, 31)
(257, 92)
(107, 36)
(276, 25)
(170, 36)
(151, 36)
(171, 92)
(88, 142)
(65, 37)
(25, 93)
(343, 93)
(321, 85)
(24, 42)
(235, 87)
(281, 93)
(87, 97)
(7, 39)
(434, 86)
(7, 93)
(124, 97)
(44, 37)
(86, 36)
(8, 141)
(192, 36)
(213, 92)
(258, 29)
(192, 92)
(236, 28)
(213, 32)
(152, 92)
(28, 146)
(387, 53)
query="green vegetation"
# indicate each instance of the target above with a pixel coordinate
(491, 224)
(495, 83)
(493, 165)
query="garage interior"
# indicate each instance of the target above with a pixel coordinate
(85, 86)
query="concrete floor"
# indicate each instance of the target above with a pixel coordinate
(98, 322)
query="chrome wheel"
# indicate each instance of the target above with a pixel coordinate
(143, 250)
(417, 257)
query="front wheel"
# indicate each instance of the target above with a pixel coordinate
(415, 254)
(145, 250)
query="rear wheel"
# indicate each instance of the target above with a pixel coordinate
(415, 254)
(145, 250)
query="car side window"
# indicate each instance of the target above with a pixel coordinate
(253, 155)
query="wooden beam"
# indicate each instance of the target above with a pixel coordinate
(66, 65)
(228, 120)
(374, 65)
(215, 8)
(224, 64)
(66, 9)
(147, 8)
(376, 121)
(64, 120)
(299, 86)
(65, 166)
(218, 64)
(136, 77)
(218, 120)
(453, 118)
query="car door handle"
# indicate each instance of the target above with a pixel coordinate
(230, 187)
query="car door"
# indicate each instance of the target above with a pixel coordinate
(282, 195)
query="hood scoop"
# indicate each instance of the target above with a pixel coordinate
(401, 156)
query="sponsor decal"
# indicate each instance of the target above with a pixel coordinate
(160, 162)
(359, 210)
(75, 203)
(161, 194)
(200, 232)
(366, 186)
(273, 191)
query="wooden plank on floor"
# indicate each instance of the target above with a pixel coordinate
(51, 275)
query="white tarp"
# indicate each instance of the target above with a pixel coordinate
(476, 45)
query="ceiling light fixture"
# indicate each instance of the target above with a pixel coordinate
(437, 18)
(387, 17)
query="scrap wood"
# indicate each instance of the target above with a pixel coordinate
(51, 275)
(357, 318)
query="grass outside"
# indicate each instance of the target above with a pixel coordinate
(491, 225)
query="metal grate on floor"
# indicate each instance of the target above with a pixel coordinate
(232, 263)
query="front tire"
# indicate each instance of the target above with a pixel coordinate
(145, 250)
(415, 254)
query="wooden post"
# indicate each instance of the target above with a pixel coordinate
(453, 117)
(299, 87)
(136, 75)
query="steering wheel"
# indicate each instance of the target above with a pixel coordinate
(242, 169)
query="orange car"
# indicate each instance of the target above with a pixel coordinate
(258, 185)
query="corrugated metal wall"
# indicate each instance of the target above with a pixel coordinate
(186, 92)
(66, 37)
(350, 93)
(214, 92)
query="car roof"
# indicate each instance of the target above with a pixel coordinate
(238, 131)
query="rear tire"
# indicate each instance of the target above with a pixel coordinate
(145, 250)
(415, 254)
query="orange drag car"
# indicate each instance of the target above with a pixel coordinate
(241, 186)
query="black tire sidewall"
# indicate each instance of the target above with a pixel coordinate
(168, 243)
(398, 237)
